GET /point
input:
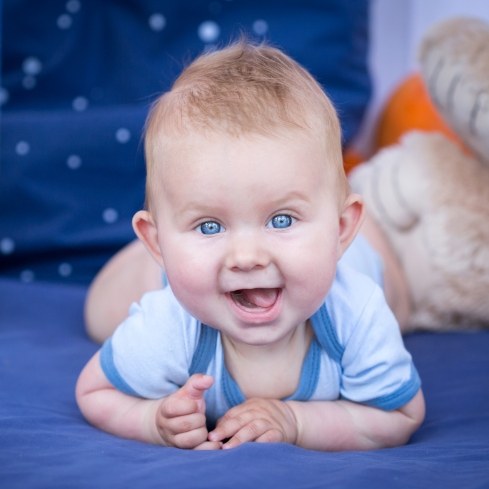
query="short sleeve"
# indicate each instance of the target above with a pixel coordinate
(150, 352)
(377, 368)
(360, 333)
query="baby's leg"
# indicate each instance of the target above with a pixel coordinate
(395, 285)
(122, 281)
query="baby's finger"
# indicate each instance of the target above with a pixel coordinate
(176, 407)
(253, 431)
(239, 429)
(227, 426)
(270, 436)
(209, 445)
(196, 386)
(191, 439)
(185, 424)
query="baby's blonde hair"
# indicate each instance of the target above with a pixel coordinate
(242, 89)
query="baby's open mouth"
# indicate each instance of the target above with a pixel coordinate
(255, 298)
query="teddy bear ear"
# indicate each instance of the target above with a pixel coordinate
(454, 63)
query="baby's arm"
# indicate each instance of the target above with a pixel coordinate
(320, 425)
(345, 425)
(177, 420)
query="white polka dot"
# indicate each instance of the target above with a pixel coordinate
(7, 246)
(65, 269)
(73, 6)
(27, 276)
(123, 135)
(209, 31)
(32, 66)
(110, 215)
(22, 148)
(80, 104)
(73, 162)
(29, 82)
(64, 21)
(4, 95)
(157, 22)
(260, 27)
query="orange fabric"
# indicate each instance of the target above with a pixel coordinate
(408, 108)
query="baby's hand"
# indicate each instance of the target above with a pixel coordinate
(180, 419)
(261, 420)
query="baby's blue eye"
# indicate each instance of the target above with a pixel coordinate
(210, 227)
(281, 221)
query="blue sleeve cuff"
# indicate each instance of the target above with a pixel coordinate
(111, 372)
(401, 396)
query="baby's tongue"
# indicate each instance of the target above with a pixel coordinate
(258, 297)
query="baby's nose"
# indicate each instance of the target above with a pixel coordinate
(247, 252)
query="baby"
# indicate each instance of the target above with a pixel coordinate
(274, 326)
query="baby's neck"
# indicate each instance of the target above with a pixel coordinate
(270, 371)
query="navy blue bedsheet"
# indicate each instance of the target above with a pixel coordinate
(45, 442)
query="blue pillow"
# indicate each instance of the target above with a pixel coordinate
(77, 81)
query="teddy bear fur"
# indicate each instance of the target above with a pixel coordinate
(430, 196)
(454, 61)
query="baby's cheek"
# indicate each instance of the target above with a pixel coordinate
(186, 281)
(315, 277)
(192, 287)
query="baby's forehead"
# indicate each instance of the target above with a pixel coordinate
(200, 153)
(231, 168)
(176, 143)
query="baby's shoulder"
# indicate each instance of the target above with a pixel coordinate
(160, 303)
(355, 302)
(159, 314)
(352, 290)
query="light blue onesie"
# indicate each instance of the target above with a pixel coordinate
(357, 353)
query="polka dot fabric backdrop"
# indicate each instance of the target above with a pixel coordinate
(78, 77)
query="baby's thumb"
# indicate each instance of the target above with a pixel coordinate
(196, 386)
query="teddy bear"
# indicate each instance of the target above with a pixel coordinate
(430, 195)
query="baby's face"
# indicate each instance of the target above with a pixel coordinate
(248, 230)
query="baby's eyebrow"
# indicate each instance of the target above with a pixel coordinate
(293, 197)
(199, 208)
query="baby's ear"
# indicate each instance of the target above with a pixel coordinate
(351, 219)
(145, 228)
